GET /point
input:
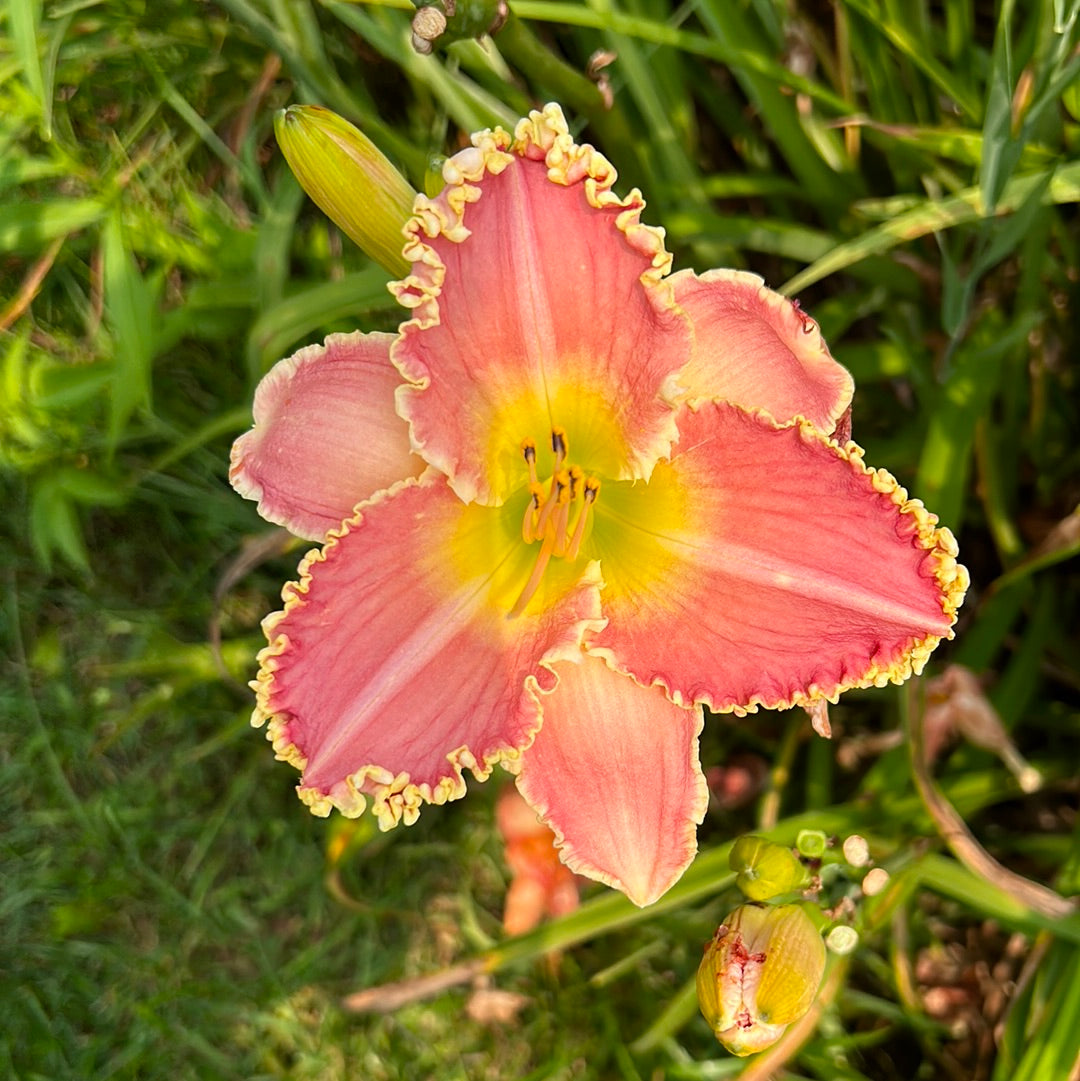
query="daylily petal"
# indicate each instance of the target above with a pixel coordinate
(538, 302)
(391, 669)
(326, 436)
(769, 566)
(614, 771)
(757, 349)
(542, 884)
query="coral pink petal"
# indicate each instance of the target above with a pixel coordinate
(768, 566)
(614, 771)
(326, 436)
(757, 349)
(532, 312)
(391, 669)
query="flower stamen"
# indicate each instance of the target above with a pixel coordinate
(549, 515)
(528, 449)
(560, 445)
(528, 522)
(592, 487)
(533, 584)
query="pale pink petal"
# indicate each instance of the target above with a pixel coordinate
(614, 771)
(326, 436)
(768, 566)
(538, 303)
(757, 349)
(393, 665)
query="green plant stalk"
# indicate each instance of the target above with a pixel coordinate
(522, 48)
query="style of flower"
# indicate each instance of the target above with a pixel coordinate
(571, 502)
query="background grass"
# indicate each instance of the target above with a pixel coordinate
(909, 169)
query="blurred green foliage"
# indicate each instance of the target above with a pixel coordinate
(909, 169)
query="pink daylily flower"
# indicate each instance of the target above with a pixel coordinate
(570, 503)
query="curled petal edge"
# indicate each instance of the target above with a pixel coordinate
(941, 550)
(542, 136)
(684, 842)
(393, 797)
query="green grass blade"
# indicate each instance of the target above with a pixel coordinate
(24, 18)
(130, 301)
(933, 215)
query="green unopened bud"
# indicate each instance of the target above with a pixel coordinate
(350, 180)
(759, 974)
(765, 869)
(811, 844)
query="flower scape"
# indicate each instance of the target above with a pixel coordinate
(575, 499)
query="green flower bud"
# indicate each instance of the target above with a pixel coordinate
(765, 869)
(350, 180)
(811, 844)
(759, 974)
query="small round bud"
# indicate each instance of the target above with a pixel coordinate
(856, 850)
(842, 939)
(875, 881)
(811, 844)
(428, 25)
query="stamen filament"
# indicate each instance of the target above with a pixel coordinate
(559, 484)
(562, 520)
(592, 486)
(535, 578)
(528, 523)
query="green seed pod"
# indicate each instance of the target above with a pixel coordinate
(765, 869)
(760, 972)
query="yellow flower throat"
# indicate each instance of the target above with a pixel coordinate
(557, 515)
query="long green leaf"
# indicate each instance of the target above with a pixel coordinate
(130, 303)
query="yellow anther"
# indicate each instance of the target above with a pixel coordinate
(560, 445)
(528, 449)
(528, 522)
(577, 475)
(592, 487)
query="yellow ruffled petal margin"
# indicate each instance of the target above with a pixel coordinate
(940, 544)
(534, 644)
(477, 454)
(542, 136)
(663, 575)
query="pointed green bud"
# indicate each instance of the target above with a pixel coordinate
(349, 179)
(764, 869)
(759, 974)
